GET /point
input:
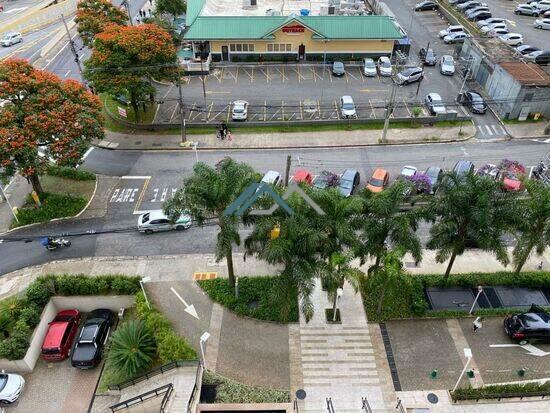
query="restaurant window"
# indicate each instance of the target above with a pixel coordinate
(241, 47)
(279, 47)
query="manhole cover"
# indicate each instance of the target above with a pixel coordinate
(300, 394)
(432, 398)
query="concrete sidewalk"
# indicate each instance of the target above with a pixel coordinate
(526, 129)
(337, 138)
(16, 192)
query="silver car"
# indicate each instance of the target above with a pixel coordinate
(412, 74)
(543, 24)
(434, 103)
(157, 221)
(11, 38)
(447, 65)
(240, 110)
(369, 67)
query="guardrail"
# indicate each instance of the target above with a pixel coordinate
(498, 396)
(166, 390)
(153, 373)
(195, 393)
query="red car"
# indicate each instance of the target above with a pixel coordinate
(302, 175)
(60, 335)
(512, 172)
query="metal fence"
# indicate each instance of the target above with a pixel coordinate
(166, 390)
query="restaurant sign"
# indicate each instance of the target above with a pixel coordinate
(293, 29)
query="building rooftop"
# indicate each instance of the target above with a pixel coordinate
(529, 74)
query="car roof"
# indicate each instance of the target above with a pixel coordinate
(462, 165)
(271, 175)
(436, 169)
(383, 58)
(347, 98)
(301, 174)
(435, 96)
(535, 320)
(379, 173)
(457, 26)
(156, 214)
(349, 174)
(240, 102)
(446, 57)
(55, 334)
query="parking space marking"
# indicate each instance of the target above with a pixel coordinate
(250, 73)
(317, 75)
(209, 110)
(301, 111)
(228, 74)
(489, 131)
(191, 111)
(406, 106)
(350, 74)
(176, 106)
(336, 108)
(373, 114)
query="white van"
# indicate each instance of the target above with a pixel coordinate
(451, 29)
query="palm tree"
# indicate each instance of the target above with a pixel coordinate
(206, 194)
(472, 210)
(382, 276)
(384, 221)
(532, 224)
(132, 348)
(335, 272)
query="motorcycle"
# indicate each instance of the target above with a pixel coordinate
(52, 244)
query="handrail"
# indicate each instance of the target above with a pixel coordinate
(330, 407)
(400, 406)
(155, 372)
(366, 406)
(196, 389)
(295, 406)
(166, 389)
(504, 395)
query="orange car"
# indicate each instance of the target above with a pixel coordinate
(302, 175)
(379, 180)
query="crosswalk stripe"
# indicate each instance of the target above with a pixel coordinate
(480, 129)
(489, 131)
(495, 129)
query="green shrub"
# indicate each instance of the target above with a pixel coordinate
(31, 315)
(172, 347)
(70, 173)
(257, 298)
(10, 309)
(39, 292)
(15, 347)
(53, 206)
(125, 285)
(157, 322)
(493, 392)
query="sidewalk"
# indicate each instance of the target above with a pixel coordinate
(129, 141)
(526, 129)
(16, 192)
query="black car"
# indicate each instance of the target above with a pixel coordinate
(426, 5)
(543, 59)
(88, 346)
(349, 181)
(435, 174)
(480, 15)
(473, 101)
(533, 325)
(428, 57)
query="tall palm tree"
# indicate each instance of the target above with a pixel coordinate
(471, 211)
(388, 272)
(206, 194)
(384, 221)
(532, 223)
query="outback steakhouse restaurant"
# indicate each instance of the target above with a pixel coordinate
(288, 30)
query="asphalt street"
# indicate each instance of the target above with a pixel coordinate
(148, 178)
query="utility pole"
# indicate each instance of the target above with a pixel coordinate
(420, 81)
(182, 110)
(203, 85)
(127, 6)
(287, 169)
(389, 111)
(71, 44)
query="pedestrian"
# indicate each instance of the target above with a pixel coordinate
(224, 130)
(478, 323)
(540, 266)
(229, 136)
(137, 20)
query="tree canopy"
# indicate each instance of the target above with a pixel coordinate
(93, 15)
(172, 7)
(61, 118)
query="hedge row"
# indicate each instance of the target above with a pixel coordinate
(170, 346)
(502, 390)
(53, 206)
(70, 173)
(258, 298)
(23, 314)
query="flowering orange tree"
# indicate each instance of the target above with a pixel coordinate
(93, 15)
(126, 58)
(40, 111)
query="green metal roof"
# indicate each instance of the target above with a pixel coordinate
(194, 8)
(262, 27)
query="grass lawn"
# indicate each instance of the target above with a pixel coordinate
(111, 105)
(258, 298)
(63, 198)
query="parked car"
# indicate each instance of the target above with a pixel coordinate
(543, 58)
(435, 174)
(473, 101)
(530, 57)
(512, 39)
(157, 221)
(543, 5)
(349, 182)
(240, 110)
(338, 68)
(533, 325)
(426, 5)
(272, 178)
(490, 20)
(408, 171)
(456, 2)
(474, 10)
(347, 107)
(428, 56)
(543, 24)
(489, 170)
(11, 38)
(379, 180)
(525, 49)
(546, 13)
(455, 38)
(463, 167)
(447, 65)
(468, 5)
(323, 179)
(409, 75)
(486, 29)
(304, 176)
(451, 29)
(93, 335)
(434, 103)
(527, 10)
(497, 32)
(369, 67)
(11, 387)
(60, 335)
(384, 66)
(480, 15)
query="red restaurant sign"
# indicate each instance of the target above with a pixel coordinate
(293, 29)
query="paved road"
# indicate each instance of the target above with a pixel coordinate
(150, 177)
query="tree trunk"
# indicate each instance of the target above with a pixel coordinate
(377, 262)
(36, 185)
(451, 262)
(135, 106)
(230, 273)
(523, 259)
(334, 305)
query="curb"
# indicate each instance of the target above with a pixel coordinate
(34, 224)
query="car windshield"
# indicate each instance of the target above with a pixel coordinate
(3, 381)
(448, 60)
(238, 109)
(430, 53)
(346, 184)
(348, 106)
(338, 65)
(376, 182)
(476, 98)
(385, 64)
(407, 72)
(370, 64)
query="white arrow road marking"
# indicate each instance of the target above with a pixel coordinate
(463, 149)
(14, 10)
(532, 350)
(190, 309)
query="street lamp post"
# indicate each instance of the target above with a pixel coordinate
(468, 355)
(204, 338)
(339, 294)
(141, 281)
(479, 291)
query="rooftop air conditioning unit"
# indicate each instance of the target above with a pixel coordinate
(323, 11)
(331, 10)
(250, 4)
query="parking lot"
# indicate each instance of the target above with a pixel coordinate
(422, 346)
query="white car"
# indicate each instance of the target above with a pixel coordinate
(543, 5)
(157, 221)
(530, 57)
(240, 110)
(272, 178)
(450, 29)
(408, 171)
(347, 107)
(527, 10)
(490, 20)
(497, 32)
(11, 386)
(489, 27)
(11, 38)
(384, 66)
(512, 39)
(369, 67)
(447, 65)
(434, 103)
(455, 38)
(543, 24)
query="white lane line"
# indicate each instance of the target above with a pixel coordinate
(87, 153)
(58, 53)
(495, 129)
(489, 131)
(135, 177)
(502, 128)
(14, 10)
(480, 129)
(68, 71)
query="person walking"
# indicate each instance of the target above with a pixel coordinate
(478, 323)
